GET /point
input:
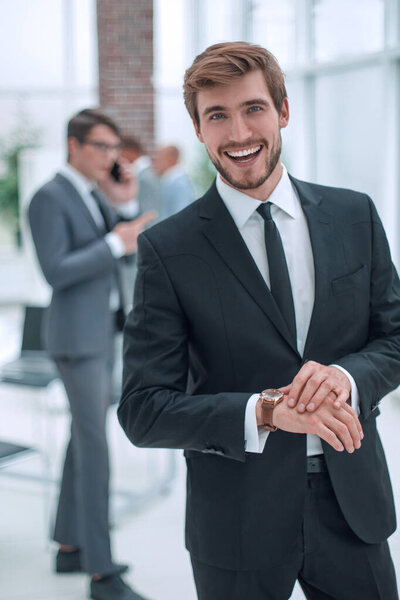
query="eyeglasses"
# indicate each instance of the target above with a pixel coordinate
(103, 147)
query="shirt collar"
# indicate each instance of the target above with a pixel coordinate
(241, 206)
(83, 185)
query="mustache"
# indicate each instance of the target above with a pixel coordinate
(234, 147)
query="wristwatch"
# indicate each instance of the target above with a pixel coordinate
(269, 399)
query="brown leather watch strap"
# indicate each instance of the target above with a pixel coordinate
(269, 399)
(267, 411)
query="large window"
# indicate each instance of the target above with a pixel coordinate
(342, 61)
(273, 25)
(48, 64)
(348, 28)
(350, 123)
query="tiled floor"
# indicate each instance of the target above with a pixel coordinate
(150, 537)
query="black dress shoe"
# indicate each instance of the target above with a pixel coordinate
(70, 562)
(112, 587)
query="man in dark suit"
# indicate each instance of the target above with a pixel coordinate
(79, 239)
(265, 331)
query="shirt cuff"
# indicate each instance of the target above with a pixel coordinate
(254, 438)
(355, 396)
(115, 244)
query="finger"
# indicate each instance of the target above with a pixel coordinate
(146, 218)
(299, 382)
(342, 431)
(330, 437)
(347, 427)
(313, 389)
(285, 389)
(341, 397)
(322, 393)
(125, 170)
(349, 410)
(350, 421)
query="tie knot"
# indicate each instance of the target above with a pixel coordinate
(265, 211)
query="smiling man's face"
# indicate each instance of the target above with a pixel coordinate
(240, 128)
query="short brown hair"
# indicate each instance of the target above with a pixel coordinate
(130, 141)
(221, 63)
(81, 124)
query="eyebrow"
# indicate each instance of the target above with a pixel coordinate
(218, 107)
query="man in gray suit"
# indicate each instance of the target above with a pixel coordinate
(176, 189)
(79, 238)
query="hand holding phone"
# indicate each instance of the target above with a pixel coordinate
(116, 172)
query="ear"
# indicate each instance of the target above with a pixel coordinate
(197, 131)
(72, 145)
(284, 116)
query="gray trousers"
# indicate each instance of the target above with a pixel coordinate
(82, 516)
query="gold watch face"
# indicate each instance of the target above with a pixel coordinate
(272, 395)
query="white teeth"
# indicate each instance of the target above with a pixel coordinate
(245, 152)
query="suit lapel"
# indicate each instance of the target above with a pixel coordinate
(76, 199)
(222, 233)
(327, 253)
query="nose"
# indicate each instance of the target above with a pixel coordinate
(240, 130)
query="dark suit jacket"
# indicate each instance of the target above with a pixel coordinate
(205, 334)
(79, 266)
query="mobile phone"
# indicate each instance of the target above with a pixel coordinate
(115, 172)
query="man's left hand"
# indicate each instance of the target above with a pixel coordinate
(314, 384)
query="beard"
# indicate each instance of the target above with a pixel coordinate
(248, 182)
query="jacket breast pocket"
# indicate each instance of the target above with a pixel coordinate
(349, 306)
(349, 283)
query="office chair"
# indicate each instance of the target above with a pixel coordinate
(11, 453)
(33, 368)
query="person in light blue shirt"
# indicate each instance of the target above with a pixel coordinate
(176, 188)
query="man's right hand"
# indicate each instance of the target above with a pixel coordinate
(340, 428)
(128, 231)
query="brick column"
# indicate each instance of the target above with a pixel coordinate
(125, 40)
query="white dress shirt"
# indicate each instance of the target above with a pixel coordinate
(292, 225)
(85, 187)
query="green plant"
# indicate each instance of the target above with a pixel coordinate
(21, 138)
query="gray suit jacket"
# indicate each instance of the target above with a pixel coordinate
(148, 195)
(79, 266)
(176, 194)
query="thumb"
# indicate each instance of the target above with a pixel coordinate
(285, 389)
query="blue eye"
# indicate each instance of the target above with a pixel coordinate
(254, 108)
(217, 116)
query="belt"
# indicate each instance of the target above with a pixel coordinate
(316, 464)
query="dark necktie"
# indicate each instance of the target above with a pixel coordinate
(280, 287)
(100, 204)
